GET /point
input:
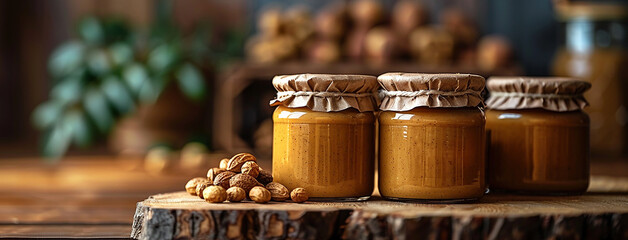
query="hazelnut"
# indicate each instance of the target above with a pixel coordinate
(215, 194)
(264, 177)
(213, 172)
(200, 187)
(190, 187)
(236, 162)
(278, 192)
(244, 181)
(223, 163)
(250, 168)
(223, 178)
(259, 194)
(235, 194)
(299, 195)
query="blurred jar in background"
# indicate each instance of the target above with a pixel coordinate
(594, 49)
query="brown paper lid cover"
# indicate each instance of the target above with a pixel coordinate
(406, 91)
(549, 93)
(326, 92)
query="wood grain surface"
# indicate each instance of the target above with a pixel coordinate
(96, 197)
(180, 215)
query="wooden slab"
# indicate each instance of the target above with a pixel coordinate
(179, 215)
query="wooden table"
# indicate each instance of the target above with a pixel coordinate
(96, 197)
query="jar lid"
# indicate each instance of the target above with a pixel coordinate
(549, 93)
(406, 91)
(326, 92)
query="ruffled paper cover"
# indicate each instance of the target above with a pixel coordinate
(340, 92)
(549, 93)
(435, 90)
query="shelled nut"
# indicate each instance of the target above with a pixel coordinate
(190, 186)
(235, 194)
(223, 163)
(299, 195)
(244, 181)
(250, 168)
(223, 178)
(213, 172)
(236, 162)
(264, 177)
(278, 192)
(215, 194)
(201, 187)
(259, 194)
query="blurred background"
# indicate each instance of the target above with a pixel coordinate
(117, 77)
(108, 101)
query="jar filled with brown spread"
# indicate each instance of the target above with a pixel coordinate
(539, 135)
(324, 134)
(431, 137)
(594, 47)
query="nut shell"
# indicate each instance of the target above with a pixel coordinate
(223, 178)
(299, 195)
(244, 181)
(201, 187)
(215, 194)
(236, 162)
(259, 194)
(223, 163)
(278, 192)
(236, 194)
(250, 168)
(190, 186)
(264, 177)
(213, 172)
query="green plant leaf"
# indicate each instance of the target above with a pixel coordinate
(98, 62)
(57, 141)
(135, 76)
(163, 57)
(191, 81)
(47, 114)
(69, 90)
(66, 58)
(98, 110)
(121, 53)
(91, 31)
(78, 124)
(118, 95)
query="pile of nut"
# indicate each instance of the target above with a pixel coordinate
(238, 178)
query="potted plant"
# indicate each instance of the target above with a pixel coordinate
(108, 73)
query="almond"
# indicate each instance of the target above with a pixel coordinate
(244, 181)
(223, 178)
(236, 162)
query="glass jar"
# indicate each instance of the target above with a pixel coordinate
(331, 154)
(539, 140)
(593, 48)
(324, 135)
(538, 151)
(431, 137)
(432, 153)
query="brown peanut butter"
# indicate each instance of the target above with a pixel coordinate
(331, 154)
(539, 135)
(538, 151)
(432, 153)
(324, 134)
(431, 137)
